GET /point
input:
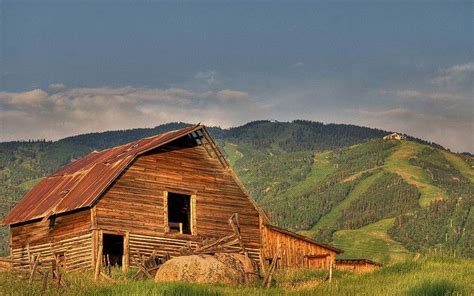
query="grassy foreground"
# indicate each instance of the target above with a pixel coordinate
(427, 276)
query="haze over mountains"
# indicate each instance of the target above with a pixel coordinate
(384, 200)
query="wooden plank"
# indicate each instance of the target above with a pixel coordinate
(98, 262)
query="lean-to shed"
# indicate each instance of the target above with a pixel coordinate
(357, 265)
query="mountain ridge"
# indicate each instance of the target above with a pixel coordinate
(304, 173)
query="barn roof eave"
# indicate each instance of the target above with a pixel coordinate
(22, 211)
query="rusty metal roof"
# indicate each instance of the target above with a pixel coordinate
(80, 183)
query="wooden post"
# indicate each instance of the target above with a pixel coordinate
(33, 270)
(94, 218)
(98, 261)
(262, 264)
(126, 251)
(45, 283)
(330, 270)
(165, 211)
(58, 276)
(193, 215)
(267, 282)
(95, 245)
(30, 262)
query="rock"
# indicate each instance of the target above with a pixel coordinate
(223, 268)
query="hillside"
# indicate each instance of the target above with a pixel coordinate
(384, 200)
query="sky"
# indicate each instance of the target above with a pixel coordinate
(71, 67)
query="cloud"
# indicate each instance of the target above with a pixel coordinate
(52, 115)
(228, 95)
(210, 77)
(297, 65)
(390, 113)
(455, 75)
(56, 86)
(452, 129)
(436, 96)
(33, 97)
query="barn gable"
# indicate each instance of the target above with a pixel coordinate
(79, 184)
(138, 203)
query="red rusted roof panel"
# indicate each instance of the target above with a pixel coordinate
(80, 183)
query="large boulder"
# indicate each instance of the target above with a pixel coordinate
(223, 268)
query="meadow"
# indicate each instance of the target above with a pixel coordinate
(425, 276)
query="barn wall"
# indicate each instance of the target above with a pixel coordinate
(135, 201)
(71, 235)
(294, 252)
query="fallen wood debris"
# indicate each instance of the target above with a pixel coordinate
(227, 244)
(267, 281)
(147, 265)
(38, 266)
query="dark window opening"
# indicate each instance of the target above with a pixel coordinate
(179, 213)
(112, 249)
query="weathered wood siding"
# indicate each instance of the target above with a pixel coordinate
(71, 235)
(356, 266)
(294, 252)
(135, 202)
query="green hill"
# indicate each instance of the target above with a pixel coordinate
(383, 200)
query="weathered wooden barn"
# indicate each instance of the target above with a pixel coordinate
(357, 265)
(163, 192)
(295, 250)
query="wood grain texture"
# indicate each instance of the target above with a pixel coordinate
(76, 249)
(295, 252)
(38, 232)
(137, 201)
(358, 267)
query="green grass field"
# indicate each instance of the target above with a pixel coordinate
(459, 164)
(232, 153)
(427, 276)
(320, 169)
(328, 220)
(398, 162)
(372, 242)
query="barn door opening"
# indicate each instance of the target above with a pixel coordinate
(113, 249)
(179, 213)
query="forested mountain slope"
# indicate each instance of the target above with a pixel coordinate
(385, 200)
(379, 199)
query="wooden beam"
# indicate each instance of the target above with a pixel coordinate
(126, 251)
(94, 217)
(33, 270)
(98, 262)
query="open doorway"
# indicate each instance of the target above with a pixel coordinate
(179, 213)
(113, 249)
